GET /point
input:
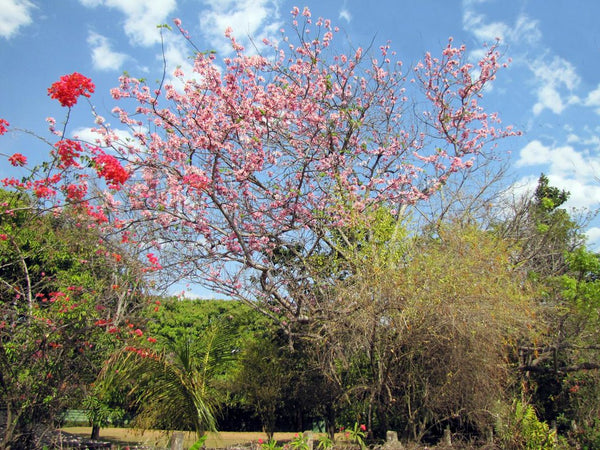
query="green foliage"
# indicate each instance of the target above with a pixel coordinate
(547, 197)
(518, 427)
(174, 320)
(199, 443)
(299, 442)
(100, 412)
(325, 442)
(173, 388)
(357, 434)
(262, 378)
(408, 336)
(271, 444)
(59, 283)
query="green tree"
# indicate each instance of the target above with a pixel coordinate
(261, 380)
(173, 387)
(542, 231)
(61, 290)
(560, 366)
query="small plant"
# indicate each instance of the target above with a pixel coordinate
(299, 442)
(199, 443)
(271, 444)
(358, 434)
(325, 442)
(521, 428)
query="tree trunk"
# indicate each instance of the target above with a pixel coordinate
(330, 422)
(95, 432)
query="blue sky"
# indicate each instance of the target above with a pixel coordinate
(551, 90)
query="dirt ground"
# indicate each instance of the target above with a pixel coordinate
(126, 436)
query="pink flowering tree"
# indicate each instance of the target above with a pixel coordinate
(238, 175)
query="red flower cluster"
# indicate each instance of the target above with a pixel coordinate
(69, 87)
(109, 168)
(17, 159)
(44, 188)
(67, 151)
(76, 192)
(3, 125)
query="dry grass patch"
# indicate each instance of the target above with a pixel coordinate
(129, 436)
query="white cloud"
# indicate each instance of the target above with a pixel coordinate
(548, 98)
(593, 99)
(345, 15)
(124, 138)
(593, 238)
(141, 17)
(487, 32)
(534, 153)
(553, 78)
(523, 30)
(254, 19)
(567, 168)
(91, 3)
(14, 14)
(177, 54)
(103, 57)
(564, 161)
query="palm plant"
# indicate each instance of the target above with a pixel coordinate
(173, 388)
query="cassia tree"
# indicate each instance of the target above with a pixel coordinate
(262, 154)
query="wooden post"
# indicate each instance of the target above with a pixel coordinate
(310, 438)
(391, 437)
(177, 440)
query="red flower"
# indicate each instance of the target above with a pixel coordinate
(69, 87)
(111, 169)
(17, 159)
(76, 192)
(42, 191)
(363, 427)
(139, 332)
(67, 151)
(3, 125)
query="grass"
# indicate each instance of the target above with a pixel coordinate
(128, 436)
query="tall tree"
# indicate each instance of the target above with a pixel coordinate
(543, 231)
(560, 367)
(258, 154)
